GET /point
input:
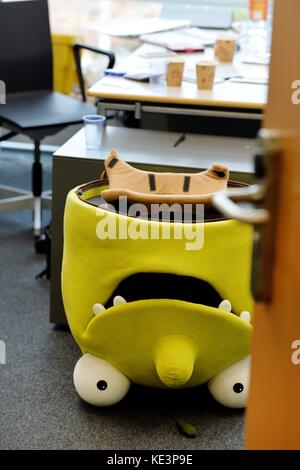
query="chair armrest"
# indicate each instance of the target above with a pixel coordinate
(76, 49)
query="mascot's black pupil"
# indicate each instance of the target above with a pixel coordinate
(238, 388)
(102, 385)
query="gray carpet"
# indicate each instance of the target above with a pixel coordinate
(39, 408)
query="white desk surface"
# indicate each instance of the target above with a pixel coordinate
(225, 94)
(157, 148)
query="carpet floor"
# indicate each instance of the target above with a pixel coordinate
(39, 408)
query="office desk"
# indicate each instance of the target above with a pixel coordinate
(149, 150)
(227, 99)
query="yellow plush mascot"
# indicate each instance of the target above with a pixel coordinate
(161, 311)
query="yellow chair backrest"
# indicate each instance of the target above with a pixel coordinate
(64, 69)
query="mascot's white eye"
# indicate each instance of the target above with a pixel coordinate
(98, 383)
(230, 387)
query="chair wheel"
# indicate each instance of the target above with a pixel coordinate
(40, 244)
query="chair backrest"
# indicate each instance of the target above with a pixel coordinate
(25, 46)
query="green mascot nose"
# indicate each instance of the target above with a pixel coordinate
(174, 358)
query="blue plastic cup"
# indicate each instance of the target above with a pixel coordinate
(94, 126)
(157, 75)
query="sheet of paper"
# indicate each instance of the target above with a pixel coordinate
(135, 26)
(190, 77)
(174, 39)
(251, 80)
(206, 36)
(116, 82)
(260, 59)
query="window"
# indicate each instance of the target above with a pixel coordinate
(233, 3)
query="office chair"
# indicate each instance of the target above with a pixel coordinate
(32, 107)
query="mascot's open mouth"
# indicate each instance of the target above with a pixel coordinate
(143, 286)
(150, 286)
(167, 330)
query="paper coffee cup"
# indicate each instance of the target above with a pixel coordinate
(205, 71)
(175, 72)
(225, 49)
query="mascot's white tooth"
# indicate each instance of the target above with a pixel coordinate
(225, 305)
(97, 308)
(118, 300)
(246, 316)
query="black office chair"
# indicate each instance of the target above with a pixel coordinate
(32, 107)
